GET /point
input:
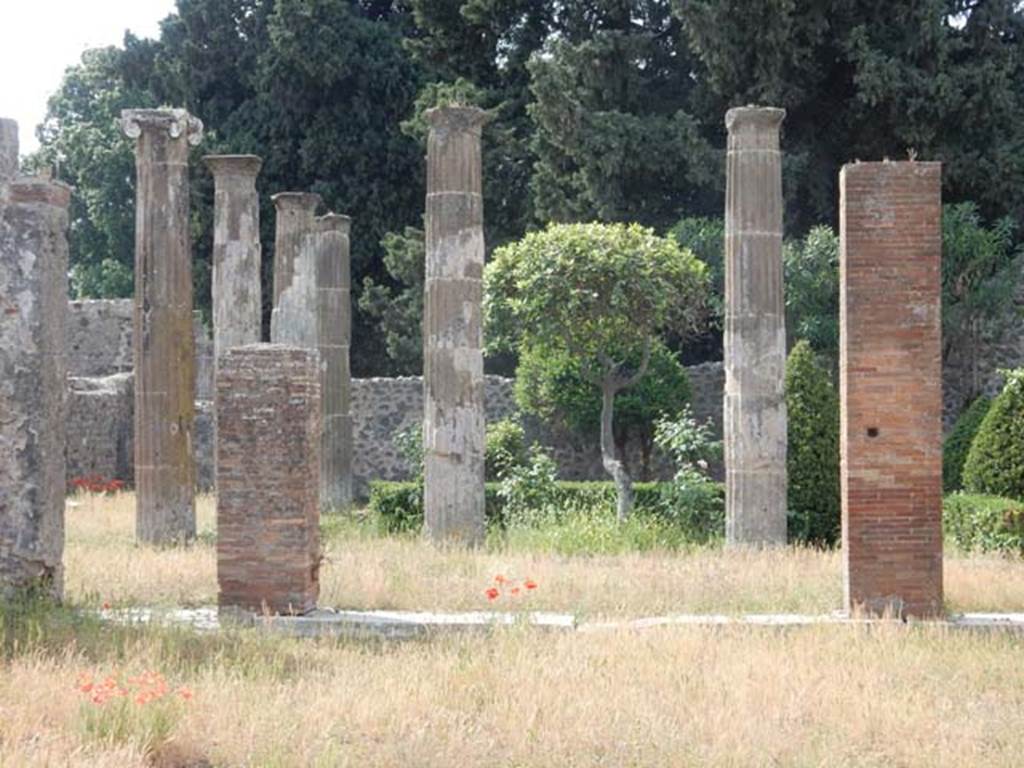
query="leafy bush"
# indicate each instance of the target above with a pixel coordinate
(398, 506)
(958, 443)
(995, 462)
(691, 500)
(812, 459)
(812, 289)
(977, 522)
(504, 449)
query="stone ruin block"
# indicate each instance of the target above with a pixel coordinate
(268, 478)
(33, 370)
(891, 386)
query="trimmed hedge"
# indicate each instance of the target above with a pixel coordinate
(398, 506)
(976, 522)
(958, 443)
(812, 459)
(995, 463)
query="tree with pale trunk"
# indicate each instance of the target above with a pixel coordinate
(604, 294)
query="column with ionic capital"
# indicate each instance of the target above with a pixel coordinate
(163, 344)
(453, 365)
(755, 331)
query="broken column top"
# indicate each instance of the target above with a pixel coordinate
(233, 165)
(8, 149)
(754, 116)
(457, 118)
(332, 222)
(41, 190)
(296, 201)
(177, 122)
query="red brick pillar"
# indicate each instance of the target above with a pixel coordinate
(268, 478)
(891, 386)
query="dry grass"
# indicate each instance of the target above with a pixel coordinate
(366, 571)
(677, 696)
(834, 696)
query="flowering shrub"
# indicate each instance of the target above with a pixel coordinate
(512, 588)
(142, 709)
(97, 484)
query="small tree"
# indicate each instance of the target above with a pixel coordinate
(812, 459)
(603, 293)
(958, 443)
(995, 463)
(550, 386)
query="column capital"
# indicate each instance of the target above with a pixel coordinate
(334, 222)
(457, 118)
(295, 201)
(177, 123)
(233, 165)
(765, 118)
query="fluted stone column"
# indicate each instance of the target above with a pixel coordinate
(453, 364)
(755, 331)
(293, 319)
(163, 344)
(236, 251)
(334, 331)
(33, 375)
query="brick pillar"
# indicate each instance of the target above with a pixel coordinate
(891, 386)
(237, 300)
(453, 363)
(293, 319)
(268, 477)
(163, 344)
(334, 331)
(33, 373)
(755, 331)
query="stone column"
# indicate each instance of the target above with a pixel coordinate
(453, 364)
(334, 332)
(293, 319)
(755, 331)
(236, 251)
(33, 374)
(163, 345)
(268, 479)
(890, 383)
(8, 152)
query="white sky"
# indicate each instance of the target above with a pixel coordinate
(39, 39)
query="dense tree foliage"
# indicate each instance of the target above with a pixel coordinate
(607, 110)
(602, 293)
(958, 443)
(995, 463)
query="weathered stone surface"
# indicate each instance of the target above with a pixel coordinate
(330, 247)
(890, 386)
(162, 335)
(755, 332)
(268, 478)
(453, 367)
(293, 319)
(101, 410)
(33, 371)
(100, 337)
(236, 290)
(8, 153)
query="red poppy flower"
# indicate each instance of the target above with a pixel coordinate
(492, 593)
(530, 584)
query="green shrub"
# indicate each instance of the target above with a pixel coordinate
(976, 522)
(995, 462)
(958, 443)
(398, 506)
(504, 448)
(812, 459)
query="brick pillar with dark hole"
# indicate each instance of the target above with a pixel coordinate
(33, 375)
(890, 217)
(268, 479)
(453, 363)
(164, 347)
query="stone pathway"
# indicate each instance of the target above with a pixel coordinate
(404, 625)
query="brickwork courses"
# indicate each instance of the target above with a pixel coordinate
(268, 478)
(891, 386)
